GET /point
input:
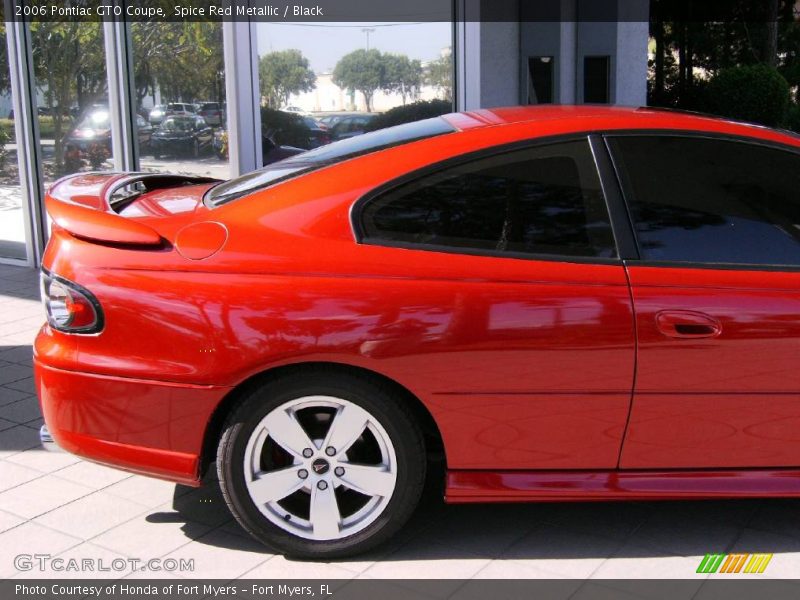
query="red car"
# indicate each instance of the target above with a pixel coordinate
(563, 303)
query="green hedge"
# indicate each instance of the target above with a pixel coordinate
(423, 109)
(45, 127)
(756, 93)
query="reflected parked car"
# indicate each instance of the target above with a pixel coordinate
(211, 112)
(162, 111)
(351, 125)
(316, 134)
(182, 136)
(286, 128)
(95, 129)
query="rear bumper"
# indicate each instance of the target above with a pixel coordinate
(148, 427)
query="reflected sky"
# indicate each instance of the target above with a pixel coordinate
(325, 43)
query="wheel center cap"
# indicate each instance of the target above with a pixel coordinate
(320, 466)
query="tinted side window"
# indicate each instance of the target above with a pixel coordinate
(544, 200)
(711, 201)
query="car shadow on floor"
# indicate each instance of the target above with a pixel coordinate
(549, 530)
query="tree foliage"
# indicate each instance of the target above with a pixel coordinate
(440, 76)
(69, 65)
(282, 74)
(363, 71)
(756, 93)
(694, 42)
(402, 76)
(5, 79)
(184, 60)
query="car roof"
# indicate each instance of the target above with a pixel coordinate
(588, 117)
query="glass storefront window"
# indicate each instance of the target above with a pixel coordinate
(12, 216)
(323, 82)
(179, 80)
(71, 98)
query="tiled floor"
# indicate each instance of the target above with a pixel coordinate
(57, 504)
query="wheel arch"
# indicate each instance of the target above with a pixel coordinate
(437, 457)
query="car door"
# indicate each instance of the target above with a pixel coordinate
(716, 293)
(523, 345)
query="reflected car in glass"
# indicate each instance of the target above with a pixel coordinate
(507, 305)
(95, 130)
(180, 109)
(182, 136)
(350, 125)
(212, 112)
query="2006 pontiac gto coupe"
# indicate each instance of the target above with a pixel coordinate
(565, 303)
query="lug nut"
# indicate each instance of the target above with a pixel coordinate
(308, 453)
(302, 473)
(323, 485)
(330, 450)
(339, 471)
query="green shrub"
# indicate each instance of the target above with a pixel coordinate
(47, 127)
(7, 126)
(756, 93)
(5, 138)
(415, 111)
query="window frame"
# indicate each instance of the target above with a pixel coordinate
(603, 169)
(627, 195)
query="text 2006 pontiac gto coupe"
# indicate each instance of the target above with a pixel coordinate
(564, 303)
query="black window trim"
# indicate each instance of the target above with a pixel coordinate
(627, 194)
(357, 208)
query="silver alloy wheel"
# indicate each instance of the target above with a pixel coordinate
(319, 467)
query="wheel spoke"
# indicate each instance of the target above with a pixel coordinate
(284, 429)
(348, 424)
(324, 516)
(369, 480)
(274, 485)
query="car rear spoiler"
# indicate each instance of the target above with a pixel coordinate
(83, 204)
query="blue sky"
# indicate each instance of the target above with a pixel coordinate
(325, 43)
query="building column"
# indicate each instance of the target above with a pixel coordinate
(486, 54)
(243, 96)
(121, 94)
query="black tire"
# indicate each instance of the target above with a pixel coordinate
(381, 402)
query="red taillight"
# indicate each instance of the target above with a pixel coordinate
(69, 307)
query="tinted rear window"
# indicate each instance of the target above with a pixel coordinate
(324, 156)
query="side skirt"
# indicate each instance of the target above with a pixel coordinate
(578, 486)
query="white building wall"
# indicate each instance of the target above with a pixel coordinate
(329, 97)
